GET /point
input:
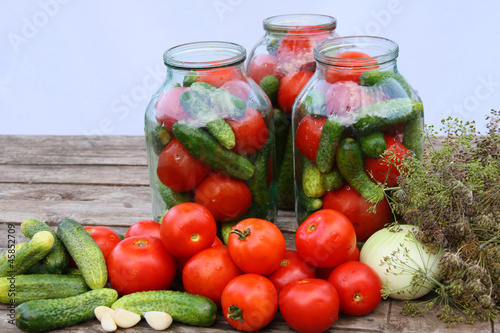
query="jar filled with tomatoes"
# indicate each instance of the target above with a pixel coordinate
(281, 63)
(209, 132)
(353, 124)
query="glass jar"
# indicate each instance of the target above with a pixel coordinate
(209, 133)
(281, 63)
(352, 124)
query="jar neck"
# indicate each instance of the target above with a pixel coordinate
(366, 52)
(300, 23)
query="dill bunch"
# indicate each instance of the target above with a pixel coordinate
(453, 195)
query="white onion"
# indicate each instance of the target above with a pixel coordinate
(404, 265)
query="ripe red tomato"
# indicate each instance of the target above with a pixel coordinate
(326, 238)
(250, 132)
(290, 86)
(345, 97)
(385, 169)
(140, 263)
(324, 273)
(308, 135)
(187, 228)
(144, 228)
(169, 109)
(356, 62)
(226, 198)
(262, 65)
(309, 305)
(249, 302)
(359, 287)
(292, 268)
(296, 49)
(218, 76)
(257, 247)
(209, 271)
(178, 169)
(105, 237)
(350, 203)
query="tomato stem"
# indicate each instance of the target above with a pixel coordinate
(234, 313)
(243, 235)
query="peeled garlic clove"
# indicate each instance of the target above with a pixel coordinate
(158, 320)
(125, 319)
(107, 322)
(100, 310)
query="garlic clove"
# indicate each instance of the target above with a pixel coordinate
(107, 322)
(100, 310)
(158, 320)
(125, 319)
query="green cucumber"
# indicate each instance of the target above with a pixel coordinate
(381, 78)
(57, 259)
(220, 100)
(383, 114)
(186, 308)
(372, 144)
(189, 80)
(23, 288)
(312, 182)
(270, 84)
(328, 143)
(85, 252)
(27, 256)
(286, 195)
(332, 180)
(194, 104)
(4, 255)
(205, 148)
(350, 164)
(173, 198)
(306, 205)
(50, 314)
(158, 138)
(282, 123)
(413, 136)
(313, 103)
(258, 182)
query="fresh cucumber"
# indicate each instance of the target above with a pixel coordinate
(413, 136)
(194, 104)
(23, 288)
(306, 205)
(313, 103)
(350, 164)
(332, 180)
(186, 308)
(328, 143)
(85, 252)
(220, 100)
(258, 182)
(282, 123)
(158, 138)
(372, 144)
(27, 256)
(4, 255)
(49, 314)
(57, 259)
(270, 84)
(173, 198)
(203, 147)
(383, 114)
(286, 195)
(312, 182)
(376, 77)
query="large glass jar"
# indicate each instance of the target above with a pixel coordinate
(281, 63)
(353, 123)
(210, 135)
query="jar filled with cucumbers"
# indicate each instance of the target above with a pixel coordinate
(282, 62)
(210, 135)
(353, 124)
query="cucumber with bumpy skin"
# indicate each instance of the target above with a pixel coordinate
(328, 143)
(220, 100)
(372, 144)
(286, 195)
(312, 182)
(85, 252)
(57, 259)
(258, 182)
(313, 103)
(376, 77)
(332, 180)
(173, 198)
(184, 307)
(49, 314)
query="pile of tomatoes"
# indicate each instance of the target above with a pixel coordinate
(252, 277)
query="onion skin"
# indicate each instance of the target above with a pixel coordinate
(385, 243)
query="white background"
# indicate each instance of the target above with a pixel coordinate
(90, 67)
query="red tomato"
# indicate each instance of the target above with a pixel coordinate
(169, 109)
(343, 98)
(187, 228)
(324, 273)
(262, 65)
(308, 135)
(355, 65)
(178, 169)
(208, 272)
(250, 132)
(218, 76)
(350, 203)
(144, 228)
(249, 302)
(290, 87)
(105, 237)
(326, 238)
(257, 247)
(292, 268)
(140, 263)
(309, 305)
(359, 287)
(385, 169)
(226, 198)
(238, 88)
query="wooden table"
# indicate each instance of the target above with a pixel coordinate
(103, 181)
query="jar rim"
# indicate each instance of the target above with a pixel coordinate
(300, 23)
(204, 55)
(380, 50)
